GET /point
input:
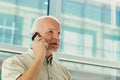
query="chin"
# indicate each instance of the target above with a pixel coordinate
(53, 50)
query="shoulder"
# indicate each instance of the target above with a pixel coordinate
(17, 59)
(12, 67)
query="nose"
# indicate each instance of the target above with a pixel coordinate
(56, 36)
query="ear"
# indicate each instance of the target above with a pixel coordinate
(33, 33)
(33, 37)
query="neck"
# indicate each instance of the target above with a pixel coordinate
(48, 54)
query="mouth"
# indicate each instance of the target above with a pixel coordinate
(54, 44)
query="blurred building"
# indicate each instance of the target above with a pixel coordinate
(90, 38)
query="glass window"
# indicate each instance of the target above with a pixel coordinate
(7, 36)
(93, 12)
(111, 49)
(1, 34)
(76, 39)
(88, 44)
(31, 4)
(70, 37)
(89, 23)
(9, 1)
(16, 16)
(70, 41)
(72, 8)
(106, 15)
(91, 71)
(75, 42)
(118, 18)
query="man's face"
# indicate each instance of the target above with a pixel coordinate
(51, 32)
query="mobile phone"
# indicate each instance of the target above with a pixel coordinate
(36, 33)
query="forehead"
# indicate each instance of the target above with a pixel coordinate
(51, 24)
(54, 29)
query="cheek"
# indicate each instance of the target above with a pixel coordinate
(48, 38)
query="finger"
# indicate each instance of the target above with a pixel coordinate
(38, 38)
(44, 42)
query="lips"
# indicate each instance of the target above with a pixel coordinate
(53, 43)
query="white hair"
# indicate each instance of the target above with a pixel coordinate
(34, 26)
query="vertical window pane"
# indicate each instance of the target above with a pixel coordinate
(67, 8)
(106, 15)
(88, 44)
(70, 37)
(93, 12)
(111, 48)
(70, 42)
(118, 18)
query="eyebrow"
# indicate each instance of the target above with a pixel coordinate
(53, 29)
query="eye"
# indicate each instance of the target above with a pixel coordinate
(51, 31)
(59, 33)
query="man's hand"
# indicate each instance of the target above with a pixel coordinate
(39, 47)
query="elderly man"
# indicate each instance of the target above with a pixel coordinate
(38, 64)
